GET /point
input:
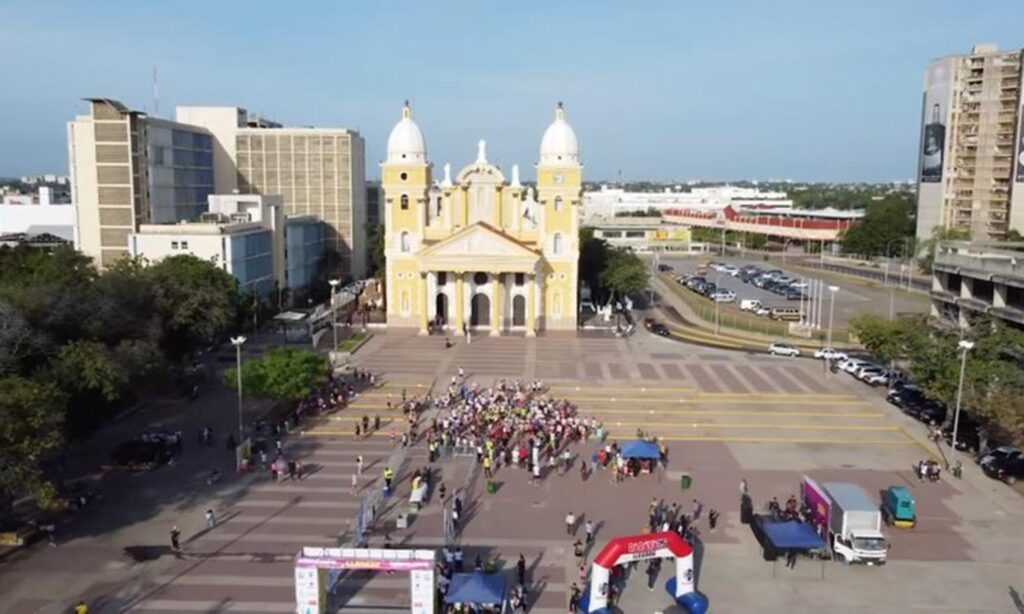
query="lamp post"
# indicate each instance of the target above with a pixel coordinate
(334, 312)
(237, 342)
(831, 312)
(718, 280)
(966, 347)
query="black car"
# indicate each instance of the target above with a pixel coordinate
(903, 395)
(709, 289)
(139, 454)
(926, 411)
(967, 436)
(660, 329)
(1006, 464)
(665, 268)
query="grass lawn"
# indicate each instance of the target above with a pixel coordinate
(352, 341)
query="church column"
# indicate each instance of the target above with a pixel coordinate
(459, 298)
(421, 292)
(495, 304)
(531, 308)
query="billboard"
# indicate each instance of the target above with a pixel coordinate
(933, 124)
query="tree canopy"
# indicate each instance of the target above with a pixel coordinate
(77, 345)
(881, 231)
(282, 374)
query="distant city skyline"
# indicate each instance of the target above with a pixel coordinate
(792, 90)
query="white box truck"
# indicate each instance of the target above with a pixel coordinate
(854, 525)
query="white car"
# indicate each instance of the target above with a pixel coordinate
(850, 365)
(830, 354)
(763, 311)
(876, 378)
(783, 349)
(730, 269)
(866, 369)
(726, 296)
(800, 284)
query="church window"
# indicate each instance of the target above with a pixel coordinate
(438, 206)
(405, 201)
(480, 279)
(556, 243)
(405, 241)
(558, 203)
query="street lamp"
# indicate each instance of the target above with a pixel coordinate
(718, 280)
(334, 312)
(237, 342)
(966, 347)
(831, 310)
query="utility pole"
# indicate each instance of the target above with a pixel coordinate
(334, 317)
(966, 346)
(237, 342)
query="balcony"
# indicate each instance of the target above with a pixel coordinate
(980, 262)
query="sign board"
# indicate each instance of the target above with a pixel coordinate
(313, 564)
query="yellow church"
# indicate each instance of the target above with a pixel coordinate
(478, 250)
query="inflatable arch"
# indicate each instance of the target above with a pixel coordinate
(623, 550)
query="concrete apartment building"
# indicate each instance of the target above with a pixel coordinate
(975, 278)
(318, 171)
(971, 145)
(246, 235)
(129, 169)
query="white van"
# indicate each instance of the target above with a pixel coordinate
(750, 304)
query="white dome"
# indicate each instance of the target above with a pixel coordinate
(559, 145)
(405, 144)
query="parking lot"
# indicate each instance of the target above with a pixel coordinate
(854, 297)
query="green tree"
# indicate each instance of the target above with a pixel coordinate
(20, 344)
(31, 418)
(125, 304)
(374, 249)
(196, 301)
(593, 258)
(624, 273)
(884, 225)
(282, 374)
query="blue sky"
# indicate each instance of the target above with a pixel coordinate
(808, 90)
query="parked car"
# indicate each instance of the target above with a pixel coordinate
(967, 437)
(763, 311)
(850, 365)
(785, 313)
(665, 268)
(926, 411)
(749, 304)
(865, 369)
(875, 376)
(793, 294)
(783, 349)
(731, 269)
(830, 354)
(723, 296)
(660, 329)
(140, 454)
(709, 289)
(1005, 463)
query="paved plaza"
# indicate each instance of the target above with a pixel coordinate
(725, 415)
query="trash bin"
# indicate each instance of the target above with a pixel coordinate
(402, 522)
(686, 481)
(491, 488)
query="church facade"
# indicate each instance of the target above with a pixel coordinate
(479, 250)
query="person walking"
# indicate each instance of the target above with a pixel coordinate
(521, 570)
(712, 518)
(589, 528)
(389, 476)
(442, 490)
(355, 483)
(176, 539)
(359, 465)
(653, 569)
(698, 507)
(81, 608)
(791, 558)
(577, 551)
(743, 487)
(211, 519)
(570, 524)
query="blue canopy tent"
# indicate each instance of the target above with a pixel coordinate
(477, 588)
(640, 449)
(793, 535)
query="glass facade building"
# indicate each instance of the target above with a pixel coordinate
(305, 245)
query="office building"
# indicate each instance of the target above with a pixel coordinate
(318, 172)
(970, 279)
(249, 237)
(476, 250)
(609, 202)
(971, 143)
(129, 169)
(374, 202)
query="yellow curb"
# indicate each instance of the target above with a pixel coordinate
(927, 449)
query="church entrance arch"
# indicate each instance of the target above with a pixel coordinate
(480, 310)
(441, 307)
(519, 311)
